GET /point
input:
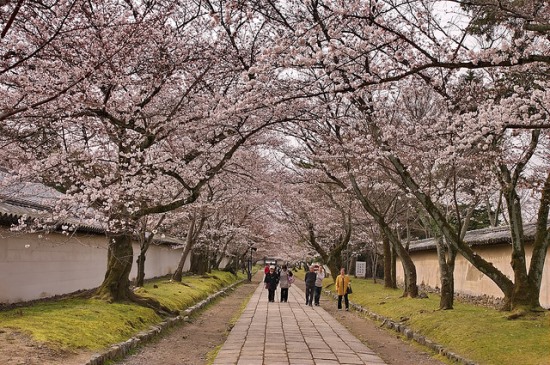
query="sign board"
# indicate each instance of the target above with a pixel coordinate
(360, 269)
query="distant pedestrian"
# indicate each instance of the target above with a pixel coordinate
(284, 282)
(319, 284)
(342, 283)
(310, 278)
(271, 281)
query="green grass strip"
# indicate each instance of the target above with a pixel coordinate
(480, 334)
(92, 324)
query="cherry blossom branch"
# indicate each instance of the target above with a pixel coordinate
(63, 91)
(194, 191)
(526, 126)
(11, 19)
(43, 45)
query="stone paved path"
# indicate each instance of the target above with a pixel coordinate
(291, 334)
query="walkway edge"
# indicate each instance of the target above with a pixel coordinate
(120, 350)
(408, 333)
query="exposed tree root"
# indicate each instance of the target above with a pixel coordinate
(515, 315)
(130, 296)
(524, 312)
(151, 303)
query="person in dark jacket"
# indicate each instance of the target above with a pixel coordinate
(310, 278)
(271, 281)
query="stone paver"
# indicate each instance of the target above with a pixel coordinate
(291, 334)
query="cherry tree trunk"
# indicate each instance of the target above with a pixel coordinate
(394, 268)
(389, 281)
(179, 270)
(140, 278)
(334, 263)
(199, 263)
(409, 270)
(192, 232)
(446, 258)
(525, 293)
(542, 241)
(116, 285)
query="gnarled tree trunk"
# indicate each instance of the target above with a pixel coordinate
(334, 263)
(116, 285)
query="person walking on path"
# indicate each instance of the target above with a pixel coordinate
(319, 284)
(284, 283)
(310, 278)
(271, 281)
(342, 283)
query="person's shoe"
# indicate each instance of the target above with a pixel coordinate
(339, 309)
(347, 309)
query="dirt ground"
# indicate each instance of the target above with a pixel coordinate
(18, 349)
(191, 342)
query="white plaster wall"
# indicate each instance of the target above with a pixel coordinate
(469, 280)
(160, 260)
(33, 266)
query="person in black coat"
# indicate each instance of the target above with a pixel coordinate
(310, 278)
(271, 281)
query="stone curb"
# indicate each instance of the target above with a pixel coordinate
(408, 333)
(120, 350)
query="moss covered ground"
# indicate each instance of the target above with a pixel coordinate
(93, 324)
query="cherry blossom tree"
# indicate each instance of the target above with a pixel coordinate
(374, 53)
(132, 108)
(327, 150)
(318, 211)
(164, 110)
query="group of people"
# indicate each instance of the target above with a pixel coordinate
(314, 284)
(283, 277)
